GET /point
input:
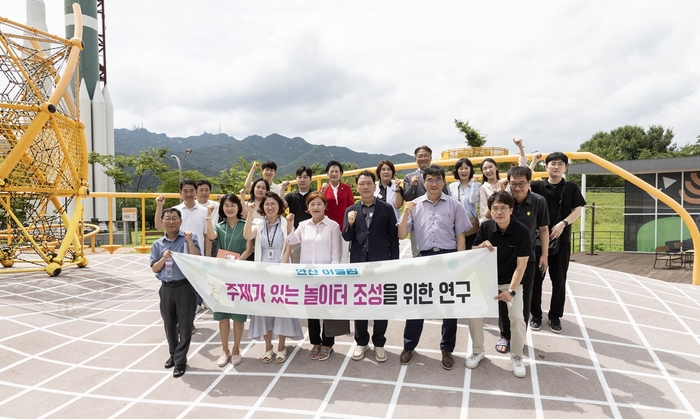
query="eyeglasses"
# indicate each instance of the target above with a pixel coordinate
(422, 156)
(433, 181)
(499, 209)
(518, 184)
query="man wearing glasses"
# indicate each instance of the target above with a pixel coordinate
(438, 222)
(530, 209)
(511, 239)
(177, 297)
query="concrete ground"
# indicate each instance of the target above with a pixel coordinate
(90, 343)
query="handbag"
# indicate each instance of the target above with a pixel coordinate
(553, 244)
(225, 254)
(333, 328)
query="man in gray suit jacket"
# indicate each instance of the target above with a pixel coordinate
(370, 227)
(413, 184)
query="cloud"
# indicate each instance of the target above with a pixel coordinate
(388, 76)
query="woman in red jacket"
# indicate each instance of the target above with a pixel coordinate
(339, 197)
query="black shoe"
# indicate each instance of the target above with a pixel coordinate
(169, 363)
(179, 370)
(555, 325)
(536, 323)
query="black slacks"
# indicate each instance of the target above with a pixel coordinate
(177, 310)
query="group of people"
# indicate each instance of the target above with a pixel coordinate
(527, 222)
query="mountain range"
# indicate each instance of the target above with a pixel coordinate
(212, 153)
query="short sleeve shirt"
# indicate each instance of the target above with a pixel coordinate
(437, 224)
(533, 213)
(510, 244)
(571, 199)
(194, 219)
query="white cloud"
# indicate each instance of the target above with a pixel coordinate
(388, 76)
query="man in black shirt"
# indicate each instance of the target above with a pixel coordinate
(531, 210)
(511, 239)
(564, 202)
(296, 202)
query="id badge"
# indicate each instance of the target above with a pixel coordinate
(270, 253)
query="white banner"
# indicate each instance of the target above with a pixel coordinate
(451, 285)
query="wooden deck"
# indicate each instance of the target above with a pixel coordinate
(635, 263)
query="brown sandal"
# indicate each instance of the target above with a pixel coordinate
(325, 354)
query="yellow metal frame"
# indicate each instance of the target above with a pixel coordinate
(47, 128)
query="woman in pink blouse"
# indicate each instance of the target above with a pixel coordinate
(320, 241)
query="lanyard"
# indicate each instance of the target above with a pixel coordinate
(230, 238)
(270, 241)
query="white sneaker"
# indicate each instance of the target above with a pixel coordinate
(379, 354)
(359, 352)
(518, 367)
(474, 359)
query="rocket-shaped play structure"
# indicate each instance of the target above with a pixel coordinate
(43, 151)
(97, 112)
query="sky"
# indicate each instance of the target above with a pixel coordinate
(386, 77)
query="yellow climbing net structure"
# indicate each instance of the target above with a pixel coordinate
(43, 152)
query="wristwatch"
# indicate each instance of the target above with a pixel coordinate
(512, 293)
(566, 223)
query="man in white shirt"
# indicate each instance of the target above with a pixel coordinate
(203, 193)
(194, 216)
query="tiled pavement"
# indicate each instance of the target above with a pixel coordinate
(90, 343)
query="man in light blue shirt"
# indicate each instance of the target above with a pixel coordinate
(177, 297)
(438, 223)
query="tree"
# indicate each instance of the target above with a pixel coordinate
(629, 142)
(317, 169)
(473, 136)
(132, 172)
(233, 180)
(689, 149)
(170, 181)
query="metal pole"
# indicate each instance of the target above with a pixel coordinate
(593, 230)
(179, 165)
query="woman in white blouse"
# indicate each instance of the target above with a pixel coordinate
(490, 176)
(389, 189)
(466, 191)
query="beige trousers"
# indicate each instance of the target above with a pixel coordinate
(517, 326)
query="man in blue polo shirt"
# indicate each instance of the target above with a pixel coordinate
(438, 222)
(177, 297)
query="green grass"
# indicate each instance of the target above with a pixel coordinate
(609, 221)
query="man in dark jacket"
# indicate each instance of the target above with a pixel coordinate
(370, 227)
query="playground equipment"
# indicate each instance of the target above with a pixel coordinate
(43, 152)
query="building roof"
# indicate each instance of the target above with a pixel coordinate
(675, 164)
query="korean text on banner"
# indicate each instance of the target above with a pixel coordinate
(452, 285)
